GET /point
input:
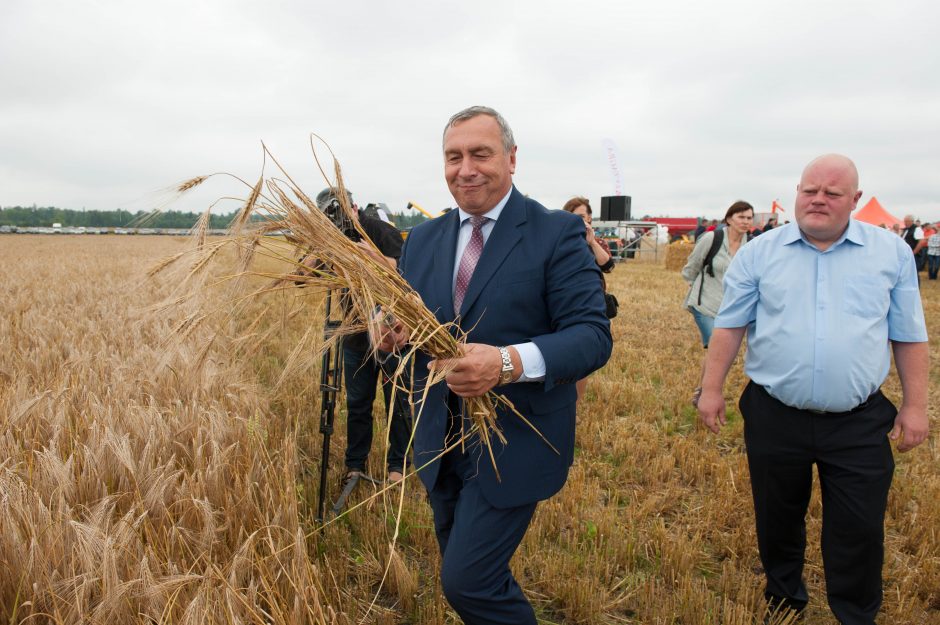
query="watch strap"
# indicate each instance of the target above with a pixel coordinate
(505, 375)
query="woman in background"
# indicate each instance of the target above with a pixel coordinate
(581, 207)
(706, 268)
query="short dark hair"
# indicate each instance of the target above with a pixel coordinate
(577, 201)
(738, 207)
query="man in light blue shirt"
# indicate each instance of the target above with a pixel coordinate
(821, 300)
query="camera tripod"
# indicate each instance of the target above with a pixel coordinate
(331, 382)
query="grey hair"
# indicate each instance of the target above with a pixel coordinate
(474, 111)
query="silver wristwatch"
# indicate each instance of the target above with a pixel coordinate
(505, 376)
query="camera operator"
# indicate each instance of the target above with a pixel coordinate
(360, 369)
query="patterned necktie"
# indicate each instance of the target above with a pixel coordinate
(468, 261)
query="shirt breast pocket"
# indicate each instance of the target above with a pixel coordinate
(866, 297)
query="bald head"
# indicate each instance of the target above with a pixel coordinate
(825, 198)
(835, 165)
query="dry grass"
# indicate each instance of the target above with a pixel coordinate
(138, 493)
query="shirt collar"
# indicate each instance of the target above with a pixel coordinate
(493, 213)
(853, 234)
(790, 233)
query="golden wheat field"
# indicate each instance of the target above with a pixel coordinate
(145, 481)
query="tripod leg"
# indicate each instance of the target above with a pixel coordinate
(331, 378)
(348, 487)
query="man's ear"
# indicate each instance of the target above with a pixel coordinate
(512, 160)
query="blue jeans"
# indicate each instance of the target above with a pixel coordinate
(705, 325)
(362, 373)
(933, 267)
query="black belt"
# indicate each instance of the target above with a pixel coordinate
(862, 406)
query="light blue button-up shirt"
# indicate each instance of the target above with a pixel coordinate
(819, 322)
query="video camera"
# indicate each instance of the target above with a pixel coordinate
(334, 211)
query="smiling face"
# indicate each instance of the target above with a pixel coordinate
(477, 167)
(825, 198)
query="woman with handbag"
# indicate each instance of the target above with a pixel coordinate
(706, 267)
(581, 207)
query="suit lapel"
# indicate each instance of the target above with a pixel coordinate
(444, 260)
(505, 235)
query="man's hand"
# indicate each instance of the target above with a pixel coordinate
(375, 255)
(722, 348)
(711, 409)
(475, 372)
(306, 266)
(388, 333)
(911, 426)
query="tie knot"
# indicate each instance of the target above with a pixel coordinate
(477, 221)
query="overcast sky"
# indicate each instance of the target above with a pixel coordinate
(104, 102)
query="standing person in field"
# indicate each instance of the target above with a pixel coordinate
(913, 235)
(821, 300)
(581, 207)
(933, 253)
(362, 372)
(519, 279)
(770, 225)
(705, 269)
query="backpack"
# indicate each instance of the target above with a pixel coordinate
(708, 263)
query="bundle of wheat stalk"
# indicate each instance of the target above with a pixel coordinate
(374, 291)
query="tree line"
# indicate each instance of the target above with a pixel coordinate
(44, 217)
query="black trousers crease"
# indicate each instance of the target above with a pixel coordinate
(853, 458)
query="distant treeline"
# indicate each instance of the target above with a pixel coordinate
(26, 216)
(408, 220)
(33, 216)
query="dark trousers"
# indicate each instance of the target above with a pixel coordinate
(361, 373)
(853, 457)
(933, 267)
(477, 541)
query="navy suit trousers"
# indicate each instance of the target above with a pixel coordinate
(477, 541)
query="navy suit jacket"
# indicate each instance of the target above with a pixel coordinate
(535, 281)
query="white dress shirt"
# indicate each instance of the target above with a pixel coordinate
(533, 363)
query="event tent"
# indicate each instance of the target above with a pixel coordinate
(874, 213)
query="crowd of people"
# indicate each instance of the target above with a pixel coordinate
(822, 301)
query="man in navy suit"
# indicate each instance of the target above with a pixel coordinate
(524, 287)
